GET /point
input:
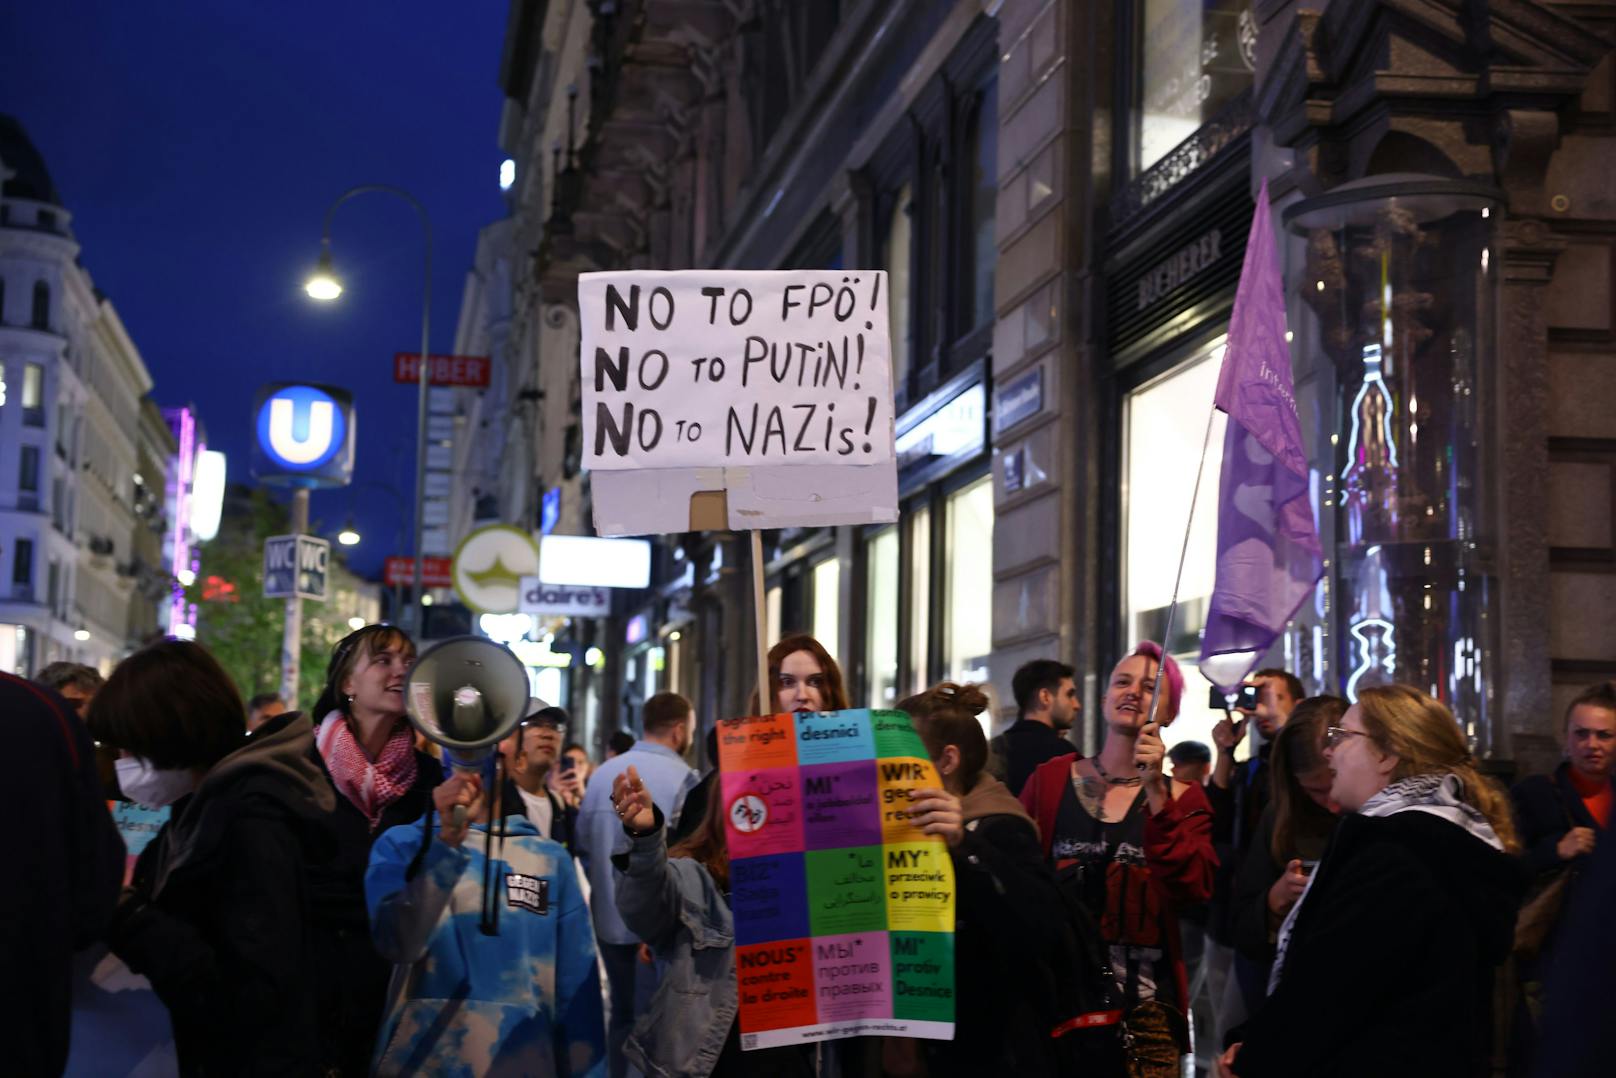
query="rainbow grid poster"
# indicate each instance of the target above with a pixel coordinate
(844, 910)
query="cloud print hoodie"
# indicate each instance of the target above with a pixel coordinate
(523, 1002)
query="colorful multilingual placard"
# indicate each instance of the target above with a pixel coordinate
(844, 909)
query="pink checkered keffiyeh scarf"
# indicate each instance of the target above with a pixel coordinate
(371, 786)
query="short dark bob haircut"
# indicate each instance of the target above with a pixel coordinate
(171, 704)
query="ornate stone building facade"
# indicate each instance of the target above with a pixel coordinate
(1061, 191)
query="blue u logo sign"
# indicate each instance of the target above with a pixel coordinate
(301, 428)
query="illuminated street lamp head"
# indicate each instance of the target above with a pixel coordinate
(81, 634)
(348, 536)
(322, 283)
(356, 623)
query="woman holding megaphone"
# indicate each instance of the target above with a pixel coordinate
(366, 746)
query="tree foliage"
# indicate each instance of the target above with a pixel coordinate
(235, 622)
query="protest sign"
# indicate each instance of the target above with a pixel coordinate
(701, 368)
(770, 389)
(844, 909)
(138, 826)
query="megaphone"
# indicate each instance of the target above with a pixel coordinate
(467, 694)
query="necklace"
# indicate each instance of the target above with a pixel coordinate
(1130, 780)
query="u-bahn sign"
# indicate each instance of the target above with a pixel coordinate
(305, 435)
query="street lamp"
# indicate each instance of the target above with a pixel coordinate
(81, 634)
(348, 536)
(324, 285)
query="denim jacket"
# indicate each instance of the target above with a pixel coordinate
(677, 909)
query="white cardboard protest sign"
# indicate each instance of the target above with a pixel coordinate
(772, 388)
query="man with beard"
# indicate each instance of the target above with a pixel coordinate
(1047, 700)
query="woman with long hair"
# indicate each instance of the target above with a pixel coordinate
(217, 915)
(803, 677)
(1134, 847)
(366, 747)
(1290, 839)
(1404, 921)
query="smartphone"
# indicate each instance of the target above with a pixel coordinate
(566, 764)
(1246, 698)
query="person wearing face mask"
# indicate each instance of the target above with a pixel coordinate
(365, 746)
(1385, 963)
(1135, 848)
(1290, 837)
(217, 915)
(658, 758)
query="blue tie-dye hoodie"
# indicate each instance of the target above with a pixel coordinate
(524, 1002)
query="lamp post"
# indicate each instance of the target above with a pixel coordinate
(350, 535)
(323, 285)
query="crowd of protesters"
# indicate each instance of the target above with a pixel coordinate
(1348, 895)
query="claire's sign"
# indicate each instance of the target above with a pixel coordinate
(700, 368)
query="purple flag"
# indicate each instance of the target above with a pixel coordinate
(1268, 548)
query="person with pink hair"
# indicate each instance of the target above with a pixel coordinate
(1134, 847)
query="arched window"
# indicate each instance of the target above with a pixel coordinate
(41, 318)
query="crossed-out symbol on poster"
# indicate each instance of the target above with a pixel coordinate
(748, 813)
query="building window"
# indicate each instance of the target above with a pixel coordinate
(982, 253)
(33, 395)
(28, 470)
(919, 599)
(1193, 57)
(968, 632)
(1165, 425)
(896, 254)
(22, 568)
(827, 584)
(771, 613)
(42, 297)
(2, 301)
(53, 579)
(881, 618)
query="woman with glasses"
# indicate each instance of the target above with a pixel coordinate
(366, 747)
(1407, 916)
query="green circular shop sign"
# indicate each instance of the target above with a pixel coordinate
(489, 565)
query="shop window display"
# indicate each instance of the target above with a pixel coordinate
(1396, 283)
(968, 631)
(881, 618)
(1165, 425)
(827, 584)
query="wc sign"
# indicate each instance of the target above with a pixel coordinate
(305, 435)
(296, 565)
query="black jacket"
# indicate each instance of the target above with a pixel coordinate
(1546, 807)
(1024, 746)
(351, 977)
(218, 914)
(1005, 899)
(1251, 933)
(563, 818)
(1390, 968)
(62, 875)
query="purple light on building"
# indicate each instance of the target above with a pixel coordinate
(181, 615)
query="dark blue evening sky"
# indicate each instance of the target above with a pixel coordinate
(197, 145)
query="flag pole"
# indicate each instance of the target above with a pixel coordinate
(1178, 578)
